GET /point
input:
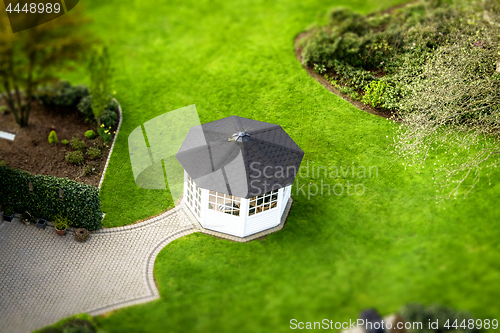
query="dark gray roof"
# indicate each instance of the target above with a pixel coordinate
(240, 156)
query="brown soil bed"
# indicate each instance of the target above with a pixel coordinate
(31, 151)
(325, 83)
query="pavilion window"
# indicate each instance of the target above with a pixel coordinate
(224, 203)
(194, 196)
(263, 202)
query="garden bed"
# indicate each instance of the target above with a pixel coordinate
(327, 84)
(31, 151)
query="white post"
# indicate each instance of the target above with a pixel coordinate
(244, 215)
(280, 203)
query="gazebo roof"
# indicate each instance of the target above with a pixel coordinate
(240, 156)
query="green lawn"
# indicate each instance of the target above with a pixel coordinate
(337, 255)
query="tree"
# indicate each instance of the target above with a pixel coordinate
(30, 58)
(100, 79)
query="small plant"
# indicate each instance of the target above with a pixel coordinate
(320, 69)
(61, 222)
(77, 144)
(90, 169)
(104, 133)
(3, 163)
(74, 157)
(8, 210)
(53, 138)
(98, 143)
(64, 142)
(93, 153)
(90, 134)
(81, 234)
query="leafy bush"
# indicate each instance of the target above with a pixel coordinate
(61, 222)
(374, 93)
(53, 137)
(422, 314)
(62, 94)
(94, 153)
(74, 157)
(90, 134)
(109, 118)
(80, 202)
(65, 142)
(77, 144)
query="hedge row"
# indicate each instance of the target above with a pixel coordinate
(80, 203)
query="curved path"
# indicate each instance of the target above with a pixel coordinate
(45, 277)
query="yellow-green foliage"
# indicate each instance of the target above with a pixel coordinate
(374, 93)
(53, 138)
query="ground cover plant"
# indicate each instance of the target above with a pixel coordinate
(337, 255)
(436, 66)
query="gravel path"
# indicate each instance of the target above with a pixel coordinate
(45, 277)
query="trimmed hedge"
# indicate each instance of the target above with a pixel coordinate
(80, 202)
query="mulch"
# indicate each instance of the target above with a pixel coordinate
(31, 151)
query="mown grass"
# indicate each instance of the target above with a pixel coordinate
(337, 254)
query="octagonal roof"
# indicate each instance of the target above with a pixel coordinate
(240, 156)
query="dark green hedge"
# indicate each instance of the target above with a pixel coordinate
(80, 203)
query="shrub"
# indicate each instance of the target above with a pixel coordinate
(422, 314)
(80, 202)
(374, 93)
(64, 142)
(53, 138)
(81, 234)
(93, 153)
(90, 169)
(77, 144)
(98, 143)
(90, 134)
(112, 105)
(74, 157)
(61, 222)
(85, 107)
(109, 118)
(62, 94)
